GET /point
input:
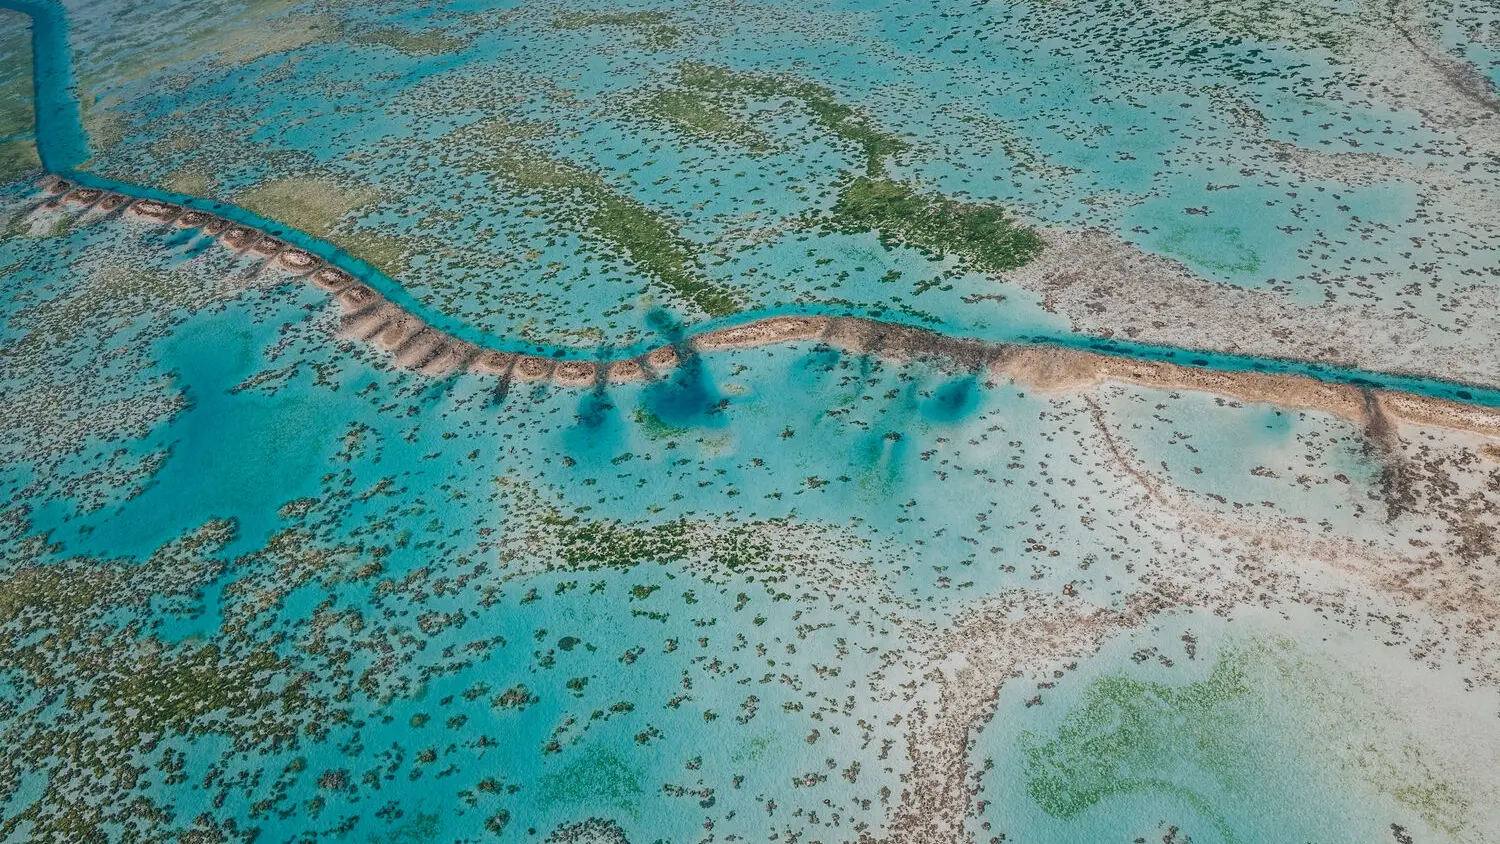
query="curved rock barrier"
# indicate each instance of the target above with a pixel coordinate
(416, 346)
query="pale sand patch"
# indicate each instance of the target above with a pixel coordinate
(576, 373)
(331, 279)
(662, 359)
(532, 368)
(762, 332)
(627, 371)
(490, 362)
(401, 328)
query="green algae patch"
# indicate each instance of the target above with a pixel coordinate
(843, 120)
(698, 115)
(238, 34)
(325, 208)
(654, 427)
(1218, 744)
(17, 157)
(606, 543)
(583, 199)
(190, 181)
(984, 236)
(194, 691)
(16, 95)
(1127, 734)
(311, 205)
(1218, 248)
(429, 42)
(653, 28)
(598, 776)
(389, 253)
(17, 117)
(589, 544)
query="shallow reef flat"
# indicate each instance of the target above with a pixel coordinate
(887, 581)
(1237, 190)
(570, 423)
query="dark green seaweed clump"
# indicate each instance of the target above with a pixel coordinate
(584, 200)
(593, 544)
(982, 235)
(841, 119)
(1124, 738)
(654, 28)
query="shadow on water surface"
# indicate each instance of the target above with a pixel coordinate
(952, 401)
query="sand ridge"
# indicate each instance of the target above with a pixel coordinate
(416, 346)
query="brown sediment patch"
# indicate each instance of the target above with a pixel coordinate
(1049, 370)
(239, 238)
(663, 359)
(1379, 432)
(213, 226)
(626, 371)
(491, 362)
(1070, 370)
(268, 247)
(419, 348)
(1490, 451)
(532, 368)
(576, 373)
(902, 342)
(401, 328)
(762, 332)
(112, 201)
(84, 196)
(1440, 413)
(358, 296)
(331, 279)
(55, 185)
(297, 261)
(152, 209)
(451, 357)
(856, 335)
(192, 219)
(370, 322)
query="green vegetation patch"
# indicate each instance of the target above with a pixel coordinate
(17, 119)
(1218, 248)
(324, 207)
(653, 28)
(1127, 736)
(17, 157)
(603, 543)
(1208, 739)
(696, 114)
(312, 205)
(585, 200)
(982, 235)
(598, 776)
(845, 121)
(429, 42)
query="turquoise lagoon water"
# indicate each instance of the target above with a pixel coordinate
(260, 586)
(674, 606)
